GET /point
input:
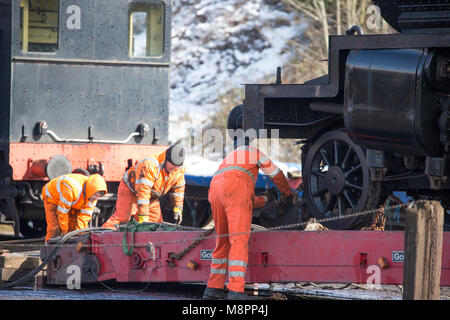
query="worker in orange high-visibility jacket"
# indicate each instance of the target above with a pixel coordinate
(232, 199)
(143, 184)
(69, 202)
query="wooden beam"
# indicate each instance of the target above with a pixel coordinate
(423, 251)
(18, 261)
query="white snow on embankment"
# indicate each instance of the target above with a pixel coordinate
(218, 45)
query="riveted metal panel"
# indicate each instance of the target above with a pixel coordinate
(90, 88)
(114, 158)
(112, 100)
(103, 31)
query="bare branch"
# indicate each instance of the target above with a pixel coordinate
(304, 8)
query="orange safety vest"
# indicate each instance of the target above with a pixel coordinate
(149, 179)
(249, 160)
(71, 191)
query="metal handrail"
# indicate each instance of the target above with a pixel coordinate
(42, 128)
(58, 139)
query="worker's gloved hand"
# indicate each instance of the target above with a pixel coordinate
(177, 215)
(288, 199)
(273, 197)
(260, 202)
(143, 218)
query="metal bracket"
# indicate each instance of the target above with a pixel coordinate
(377, 174)
(436, 183)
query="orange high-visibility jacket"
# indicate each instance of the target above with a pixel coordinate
(149, 179)
(72, 191)
(249, 160)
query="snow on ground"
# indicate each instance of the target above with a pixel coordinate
(200, 167)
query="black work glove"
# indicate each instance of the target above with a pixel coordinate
(273, 197)
(289, 199)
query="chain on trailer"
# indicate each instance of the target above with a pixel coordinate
(206, 236)
(195, 241)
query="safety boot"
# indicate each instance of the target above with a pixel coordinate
(234, 295)
(214, 294)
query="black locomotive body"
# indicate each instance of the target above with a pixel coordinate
(78, 91)
(378, 122)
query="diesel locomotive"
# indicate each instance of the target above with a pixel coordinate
(379, 120)
(79, 92)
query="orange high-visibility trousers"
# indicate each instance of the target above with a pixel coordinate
(53, 229)
(126, 206)
(78, 220)
(231, 195)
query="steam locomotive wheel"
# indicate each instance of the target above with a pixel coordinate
(336, 181)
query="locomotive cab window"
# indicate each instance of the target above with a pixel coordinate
(146, 30)
(39, 25)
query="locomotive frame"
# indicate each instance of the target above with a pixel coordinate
(377, 123)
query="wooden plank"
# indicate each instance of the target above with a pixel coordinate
(15, 261)
(423, 251)
(11, 274)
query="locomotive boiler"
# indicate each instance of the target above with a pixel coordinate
(84, 86)
(377, 122)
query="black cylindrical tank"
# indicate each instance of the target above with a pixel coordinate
(391, 100)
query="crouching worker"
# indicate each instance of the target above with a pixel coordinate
(143, 184)
(69, 202)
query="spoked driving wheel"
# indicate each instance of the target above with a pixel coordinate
(336, 181)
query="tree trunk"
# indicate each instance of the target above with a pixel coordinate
(338, 17)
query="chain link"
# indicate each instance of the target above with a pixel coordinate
(278, 228)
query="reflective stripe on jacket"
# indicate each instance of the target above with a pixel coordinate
(149, 179)
(72, 191)
(249, 160)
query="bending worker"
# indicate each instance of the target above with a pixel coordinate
(232, 199)
(143, 184)
(69, 202)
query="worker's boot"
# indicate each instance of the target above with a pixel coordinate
(234, 295)
(214, 294)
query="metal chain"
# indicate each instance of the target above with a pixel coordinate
(283, 227)
(181, 254)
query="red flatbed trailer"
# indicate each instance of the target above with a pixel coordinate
(275, 256)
